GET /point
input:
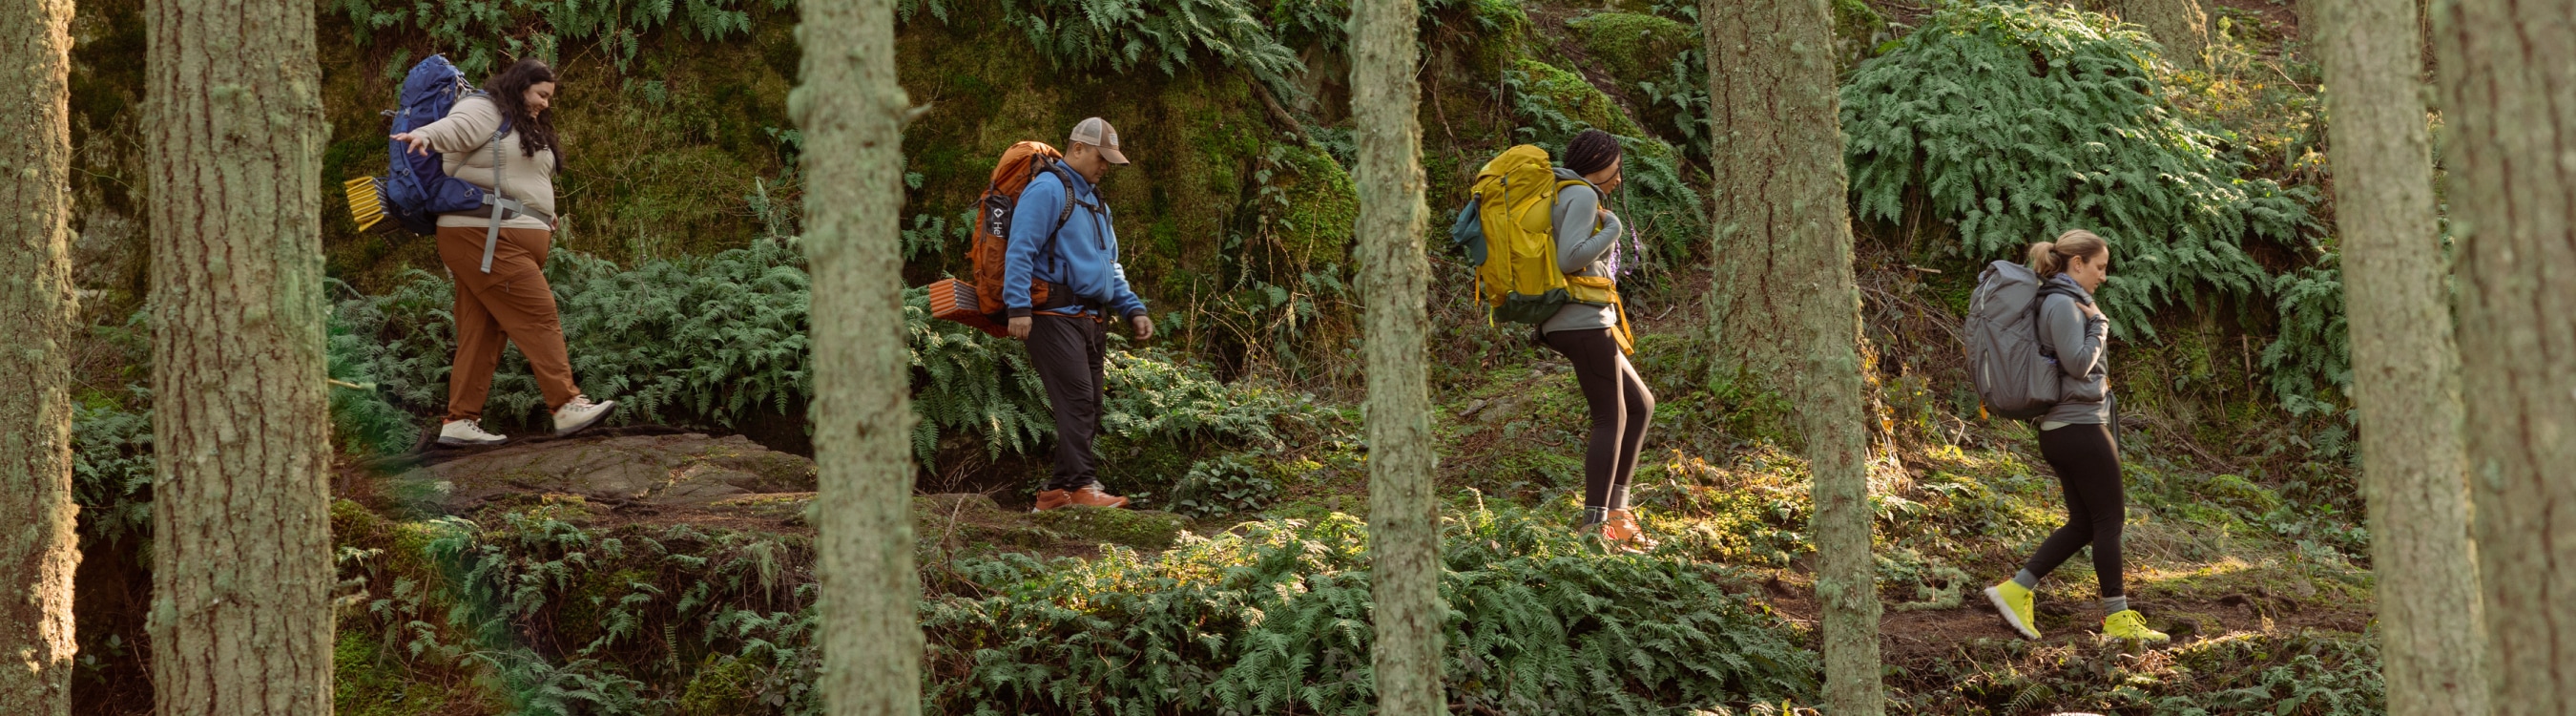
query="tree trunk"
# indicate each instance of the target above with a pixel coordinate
(853, 115)
(39, 550)
(2179, 25)
(1404, 515)
(1784, 278)
(2508, 73)
(2405, 368)
(241, 578)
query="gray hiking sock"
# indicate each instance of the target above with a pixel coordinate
(2115, 605)
(2026, 580)
(1595, 515)
(1618, 497)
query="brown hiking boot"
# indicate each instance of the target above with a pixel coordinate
(1623, 531)
(1088, 496)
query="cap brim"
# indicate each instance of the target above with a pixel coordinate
(1111, 154)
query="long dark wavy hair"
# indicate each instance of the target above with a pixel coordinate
(509, 89)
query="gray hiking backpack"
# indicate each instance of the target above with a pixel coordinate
(2015, 372)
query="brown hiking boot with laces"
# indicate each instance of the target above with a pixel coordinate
(1088, 496)
(1623, 531)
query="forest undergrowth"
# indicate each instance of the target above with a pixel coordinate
(1243, 587)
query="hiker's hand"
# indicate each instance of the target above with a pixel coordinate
(419, 144)
(1144, 327)
(2091, 311)
(1020, 328)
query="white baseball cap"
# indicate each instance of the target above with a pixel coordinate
(1097, 132)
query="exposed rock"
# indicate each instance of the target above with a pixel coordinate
(687, 469)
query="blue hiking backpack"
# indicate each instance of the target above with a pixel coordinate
(416, 187)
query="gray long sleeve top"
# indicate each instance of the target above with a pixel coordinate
(1579, 249)
(2079, 342)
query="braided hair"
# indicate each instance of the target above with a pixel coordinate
(1591, 151)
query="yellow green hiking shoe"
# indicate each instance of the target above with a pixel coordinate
(2013, 602)
(2129, 624)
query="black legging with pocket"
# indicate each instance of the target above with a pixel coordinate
(2088, 467)
(1620, 405)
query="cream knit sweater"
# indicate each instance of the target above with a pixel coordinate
(464, 135)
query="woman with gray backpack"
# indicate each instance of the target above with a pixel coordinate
(502, 140)
(2069, 394)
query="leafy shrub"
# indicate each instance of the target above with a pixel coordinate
(2017, 122)
(1224, 485)
(1274, 617)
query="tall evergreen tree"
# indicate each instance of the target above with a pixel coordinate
(2508, 79)
(853, 114)
(1783, 302)
(38, 550)
(2405, 369)
(241, 535)
(1404, 515)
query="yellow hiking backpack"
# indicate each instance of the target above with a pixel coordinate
(1509, 233)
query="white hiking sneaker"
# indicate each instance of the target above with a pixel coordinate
(467, 432)
(580, 414)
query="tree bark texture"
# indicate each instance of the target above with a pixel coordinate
(853, 115)
(2508, 77)
(1784, 278)
(1404, 515)
(2179, 25)
(2405, 367)
(38, 547)
(241, 578)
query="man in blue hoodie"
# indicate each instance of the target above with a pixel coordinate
(1067, 329)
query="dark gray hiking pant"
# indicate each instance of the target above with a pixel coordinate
(1071, 359)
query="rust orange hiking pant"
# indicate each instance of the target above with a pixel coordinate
(510, 305)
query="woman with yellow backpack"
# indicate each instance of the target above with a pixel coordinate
(1593, 335)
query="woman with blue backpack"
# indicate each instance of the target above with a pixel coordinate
(502, 140)
(1595, 337)
(2075, 438)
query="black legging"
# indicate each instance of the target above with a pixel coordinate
(1621, 407)
(2088, 467)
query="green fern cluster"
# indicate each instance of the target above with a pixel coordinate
(481, 32)
(1273, 617)
(719, 339)
(2017, 122)
(711, 338)
(112, 467)
(1126, 34)
(638, 615)
(2313, 351)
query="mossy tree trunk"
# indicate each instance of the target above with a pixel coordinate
(2405, 368)
(1404, 516)
(241, 535)
(1783, 302)
(38, 548)
(853, 114)
(2179, 25)
(2508, 78)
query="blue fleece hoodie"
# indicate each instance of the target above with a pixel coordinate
(1086, 249)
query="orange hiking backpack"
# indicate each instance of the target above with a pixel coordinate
(1020, 164)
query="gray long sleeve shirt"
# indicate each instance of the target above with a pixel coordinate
(2078, 340)
(1579, 249)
